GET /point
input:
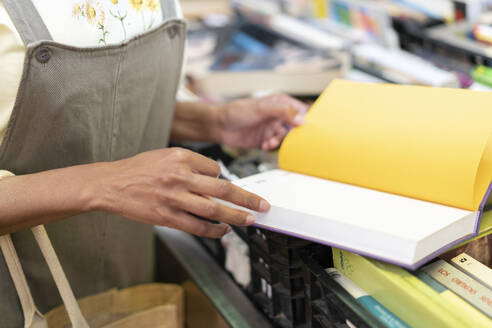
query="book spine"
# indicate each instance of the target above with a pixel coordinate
(469, 289)
(482, 74)
(377, 309)
(320, 9)
(475, 317)
(473, 268)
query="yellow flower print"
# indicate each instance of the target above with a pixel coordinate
(94, 13)
(115, 2)
(77, 11)
(90, 13)
(153, 5)
(137, 4)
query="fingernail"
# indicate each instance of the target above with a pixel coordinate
(250, 219)
(228, 229)
(264, 206)
(299, 120)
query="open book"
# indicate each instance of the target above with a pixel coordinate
(398, 173)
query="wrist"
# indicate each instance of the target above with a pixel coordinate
(194, 121)
(94, 195)
(219, 112)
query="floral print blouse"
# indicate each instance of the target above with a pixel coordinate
(116, 20)
(90, 23)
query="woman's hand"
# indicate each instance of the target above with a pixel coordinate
(168, 187)
(259, 123)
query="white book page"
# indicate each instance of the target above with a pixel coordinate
(401, 217)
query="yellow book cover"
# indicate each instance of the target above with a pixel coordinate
(426, 143)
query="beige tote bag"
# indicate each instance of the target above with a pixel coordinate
(143, 306)
(150, 305)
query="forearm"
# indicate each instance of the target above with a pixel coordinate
(166, 187)
(194, 121)
(33, 199)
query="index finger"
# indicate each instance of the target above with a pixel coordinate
(201, 164)
(225, 190)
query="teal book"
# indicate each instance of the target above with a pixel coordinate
(385, 316)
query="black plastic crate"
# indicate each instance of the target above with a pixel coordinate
(277, 278)
(281, 248)
(286, 280)
(271, 241)
(278, 290)
(327, 303)
(289, 283)
(284, 310)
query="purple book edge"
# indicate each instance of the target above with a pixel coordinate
(412, 267)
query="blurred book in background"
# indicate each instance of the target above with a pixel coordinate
(198, 9)
(246, 60)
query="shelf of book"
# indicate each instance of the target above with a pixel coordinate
(299, 288)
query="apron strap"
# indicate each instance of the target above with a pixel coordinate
(170, 9)
(27, 21)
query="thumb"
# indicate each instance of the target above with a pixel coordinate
(277, 110)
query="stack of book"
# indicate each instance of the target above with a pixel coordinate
(401, 67)
(250, 60)
(370, 17)
(453, 46)
(441, 294)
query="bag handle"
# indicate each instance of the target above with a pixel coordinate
(32, 317)
(61, 281)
